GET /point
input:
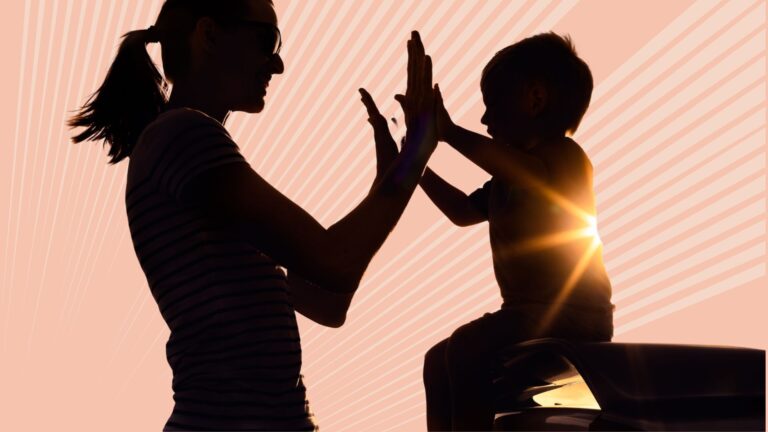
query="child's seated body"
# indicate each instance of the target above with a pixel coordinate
(540, 207)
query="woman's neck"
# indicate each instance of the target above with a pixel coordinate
(186, 95)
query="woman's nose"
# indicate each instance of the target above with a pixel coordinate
(277, 64)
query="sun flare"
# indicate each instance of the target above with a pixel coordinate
(591, 229)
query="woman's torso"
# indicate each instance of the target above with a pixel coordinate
(234, 346)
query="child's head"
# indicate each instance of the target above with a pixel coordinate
(536, 86)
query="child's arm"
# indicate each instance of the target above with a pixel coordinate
(506, 163)
(454, 203)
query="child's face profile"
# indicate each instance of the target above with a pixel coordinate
(504, 115)
(513, 110)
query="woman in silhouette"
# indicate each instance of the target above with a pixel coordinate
(212, 236)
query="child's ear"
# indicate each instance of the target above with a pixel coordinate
(536, 97)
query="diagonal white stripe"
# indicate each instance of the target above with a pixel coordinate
(530, 15)
(706, 146)
(726, 251)
(734, 282)
(89, 159)
(387, 82)
(307, 10)
(406, 303)
(394, 267)
(88, 52)
(740, 209)
(361, 375)
(332, 60)
(9, 282)
(723, 262)
(115, 174)
(608, 95)
(68, 149)
(38, 210)
(387, 382)
(309, 37)
(421, 268)
(344, 73)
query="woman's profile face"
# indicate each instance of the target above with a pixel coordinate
(245, 57)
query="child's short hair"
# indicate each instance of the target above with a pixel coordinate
(551, 58)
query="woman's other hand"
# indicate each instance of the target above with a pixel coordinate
(386, 148)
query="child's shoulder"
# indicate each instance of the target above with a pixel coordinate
(561, 151)
(565, 161)
(559, 145)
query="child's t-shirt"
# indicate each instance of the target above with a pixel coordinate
(542, 248)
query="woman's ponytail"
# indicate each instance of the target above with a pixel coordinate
(132, 96)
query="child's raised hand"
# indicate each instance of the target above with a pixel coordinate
(445, 125)
(386, 148)
(418, 103)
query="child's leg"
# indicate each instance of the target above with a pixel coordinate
(472, 351)
(436, 386)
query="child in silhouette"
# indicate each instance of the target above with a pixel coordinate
(540, 207)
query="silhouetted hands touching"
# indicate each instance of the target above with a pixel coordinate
(418, 103)
(419, 106)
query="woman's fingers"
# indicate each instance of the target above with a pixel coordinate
(421, 58)
(428, 72)
(418, 63)
(406, 106)
(370, 105)
(411, 70)
(417, 44)
(415, 63)
(419, 93)
(403, 102)
(375, 118)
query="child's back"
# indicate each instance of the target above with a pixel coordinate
(543, 237)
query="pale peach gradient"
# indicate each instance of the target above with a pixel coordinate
(676, 132)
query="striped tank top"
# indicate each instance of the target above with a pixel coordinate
(234, 346)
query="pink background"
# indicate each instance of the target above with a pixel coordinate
(676, 132)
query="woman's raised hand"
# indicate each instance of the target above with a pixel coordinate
(419, 100)
(386, 148)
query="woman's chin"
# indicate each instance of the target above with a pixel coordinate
(255, 106)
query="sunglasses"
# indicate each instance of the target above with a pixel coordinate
(272, 40)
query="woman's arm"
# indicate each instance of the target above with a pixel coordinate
(322, 306)
(333, 258)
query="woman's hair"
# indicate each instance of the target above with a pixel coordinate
(134, 92)
(551, 59)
